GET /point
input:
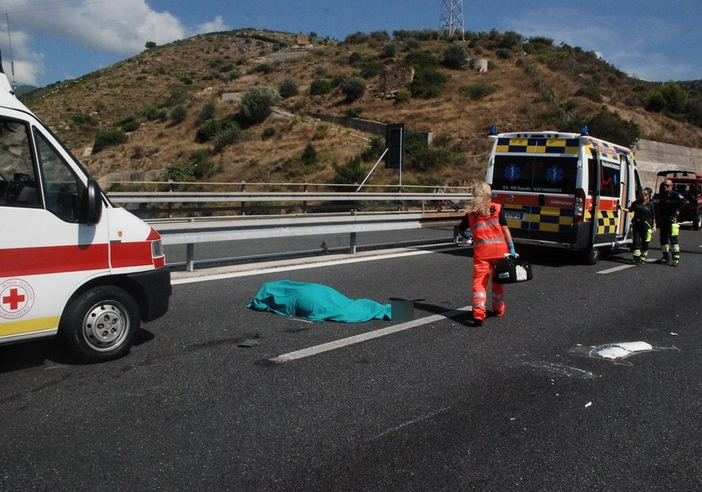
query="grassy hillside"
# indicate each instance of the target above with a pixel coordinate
(159, 100)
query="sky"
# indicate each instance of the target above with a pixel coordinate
(47, 41)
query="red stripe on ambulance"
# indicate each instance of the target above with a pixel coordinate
(20, 262)
(131, 254)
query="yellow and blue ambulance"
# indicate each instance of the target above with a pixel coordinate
(564, 190)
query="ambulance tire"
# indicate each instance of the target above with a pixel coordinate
(697, 221)
(592, 256)
(100, 324)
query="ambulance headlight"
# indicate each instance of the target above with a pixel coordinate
(156, 248)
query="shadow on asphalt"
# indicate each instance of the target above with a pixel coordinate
(38, 353)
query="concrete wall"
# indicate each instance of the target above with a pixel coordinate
(367, 126)
(653, 157)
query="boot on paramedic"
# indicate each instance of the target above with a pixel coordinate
(670, 203)
(492, 240)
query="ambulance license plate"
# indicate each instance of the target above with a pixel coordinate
(514, 215)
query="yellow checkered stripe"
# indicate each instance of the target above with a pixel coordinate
(608, 149)
(606, 221)
(543, 219)
(538, 145)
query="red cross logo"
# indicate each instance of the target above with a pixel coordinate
(14, 299)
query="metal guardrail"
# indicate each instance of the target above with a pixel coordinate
(167, 203)
(195, 230)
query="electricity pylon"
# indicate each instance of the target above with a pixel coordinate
(451, 19)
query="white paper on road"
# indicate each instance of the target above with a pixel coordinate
(621, 350)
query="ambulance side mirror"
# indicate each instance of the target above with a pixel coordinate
(93, 203)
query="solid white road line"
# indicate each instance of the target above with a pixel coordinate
(615, 269)
(344, 342)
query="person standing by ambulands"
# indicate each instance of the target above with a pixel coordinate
(670, 203)
(492, 240)
(643, 225)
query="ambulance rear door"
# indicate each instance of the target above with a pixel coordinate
(609, 223)
(535, 180)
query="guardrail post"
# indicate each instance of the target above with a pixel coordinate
(190, 257)
(304, 203)
(352, 243)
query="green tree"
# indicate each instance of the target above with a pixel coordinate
(353, 88)
(655, 102)
(476, 91)
(380, 36)
(675, 97)
(428, 83)
(206, 112)
(357, 38)
(106, 139)
(319, 87)
(694, 112)
(454, 56)
(211, 128)
(180, 172)
(511, 40)
(421, 60)
(310, 157)
(288, 88)
(349, 173)
(257, 104)
(178, 114)
(226, 137)
(608, 125)
(375, 148)
(389, 50)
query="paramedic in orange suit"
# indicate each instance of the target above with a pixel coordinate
(491, 241)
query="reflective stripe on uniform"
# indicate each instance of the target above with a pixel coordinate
(498, 300)
(488, 241)
(486, 223)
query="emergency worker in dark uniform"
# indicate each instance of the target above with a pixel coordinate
(670, 203)
(492, 240)
(642, 225)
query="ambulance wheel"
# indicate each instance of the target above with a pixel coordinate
(592, 256)
(100, 324)
(697, 221)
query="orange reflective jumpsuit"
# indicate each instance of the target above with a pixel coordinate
(489, 245)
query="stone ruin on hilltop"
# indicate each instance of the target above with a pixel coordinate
(393, 80)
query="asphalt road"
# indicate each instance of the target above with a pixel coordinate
(528, 402)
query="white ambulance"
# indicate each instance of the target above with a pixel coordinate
(71, 264)
(564, 190)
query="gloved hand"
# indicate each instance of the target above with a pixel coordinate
(512, 252)
(467, 239)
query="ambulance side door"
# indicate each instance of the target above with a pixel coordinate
(627, 196)
(47, 249)
(608, 198)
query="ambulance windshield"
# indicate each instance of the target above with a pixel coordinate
(535, 173)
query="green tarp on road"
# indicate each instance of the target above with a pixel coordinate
(315, 302)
